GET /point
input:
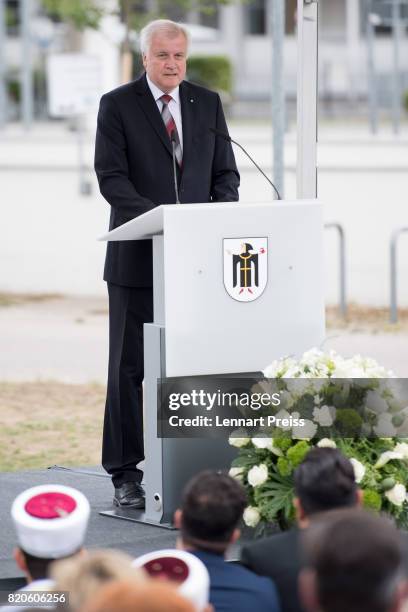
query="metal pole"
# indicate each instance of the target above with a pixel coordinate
(342, 267)
(393, 274)
(27, 93)
(307, 99)
(3, 93)
(393, 279)
(85, 187)
(372, 86)
(396, 80)
(278, 93)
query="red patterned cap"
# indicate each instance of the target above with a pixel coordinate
(170, 568)
(50, 505)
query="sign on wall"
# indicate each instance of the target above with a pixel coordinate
(74, 84)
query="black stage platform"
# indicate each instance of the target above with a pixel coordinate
(103, 531)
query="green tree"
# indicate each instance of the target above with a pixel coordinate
(81, 14)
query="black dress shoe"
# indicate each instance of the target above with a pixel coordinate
(129, 495)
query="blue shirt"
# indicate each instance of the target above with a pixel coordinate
(234, 588)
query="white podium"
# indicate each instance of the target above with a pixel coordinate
(215, 314)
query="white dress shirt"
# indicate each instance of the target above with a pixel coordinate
(174, 105)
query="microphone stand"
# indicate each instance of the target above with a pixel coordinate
(173, 148)
(229, 139)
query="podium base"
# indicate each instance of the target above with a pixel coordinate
(135, 516)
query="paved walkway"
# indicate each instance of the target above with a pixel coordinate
(67, 339)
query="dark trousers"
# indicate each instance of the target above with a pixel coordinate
(122, 448)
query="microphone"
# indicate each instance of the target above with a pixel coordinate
(173, 148)
(229, 139)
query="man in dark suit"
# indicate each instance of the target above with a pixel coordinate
(137, 123)
(210, 513)
(324, 481)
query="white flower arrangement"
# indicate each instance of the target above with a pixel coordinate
(362, 416)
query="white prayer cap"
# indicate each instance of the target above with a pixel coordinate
(50, 520)
(180, 567)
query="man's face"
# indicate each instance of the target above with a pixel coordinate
(165, 61)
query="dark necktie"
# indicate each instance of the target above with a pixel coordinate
(171, 127)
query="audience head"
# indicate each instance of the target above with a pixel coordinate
(184, 570)
(50, 522)
(128, 597)
(324, 481)
(83, 577)
(212, 507)
(354, 563)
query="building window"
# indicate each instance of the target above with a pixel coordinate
(383, 10)
(173, 11)
(256, 17)
(210, 18)
(12, 17)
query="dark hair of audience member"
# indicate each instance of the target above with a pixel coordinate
(325, 480)
(357, 560)
(38, 567)
(128, 597)
(212, 507)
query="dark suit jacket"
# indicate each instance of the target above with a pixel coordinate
(279, 558)
(234, 589)
(133, 163)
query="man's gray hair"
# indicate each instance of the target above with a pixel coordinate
(164, 27)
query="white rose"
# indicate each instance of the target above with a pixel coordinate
(268, 444)
(304, 432)
(323, 416)
(281, 416)
(237, 473)
(386, 457)
(396, 495)
(258, 475)
(272, 370)
(312, 356)
(375, 402)
(287, 399)
(402, 447)
(262, 442)
(251, 516)
(359, 470)
(326, 443)
(237, 438)
(319, 383)
(385, 427)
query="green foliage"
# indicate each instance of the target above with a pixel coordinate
(13, 86)
(275, 499)
(298, 452)
(371, 500)
(284, 466)
(387, 484)
(348, 422)
(246, 459)
(212, 71)
(282, 442)
(405, 100)
(81, 13)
